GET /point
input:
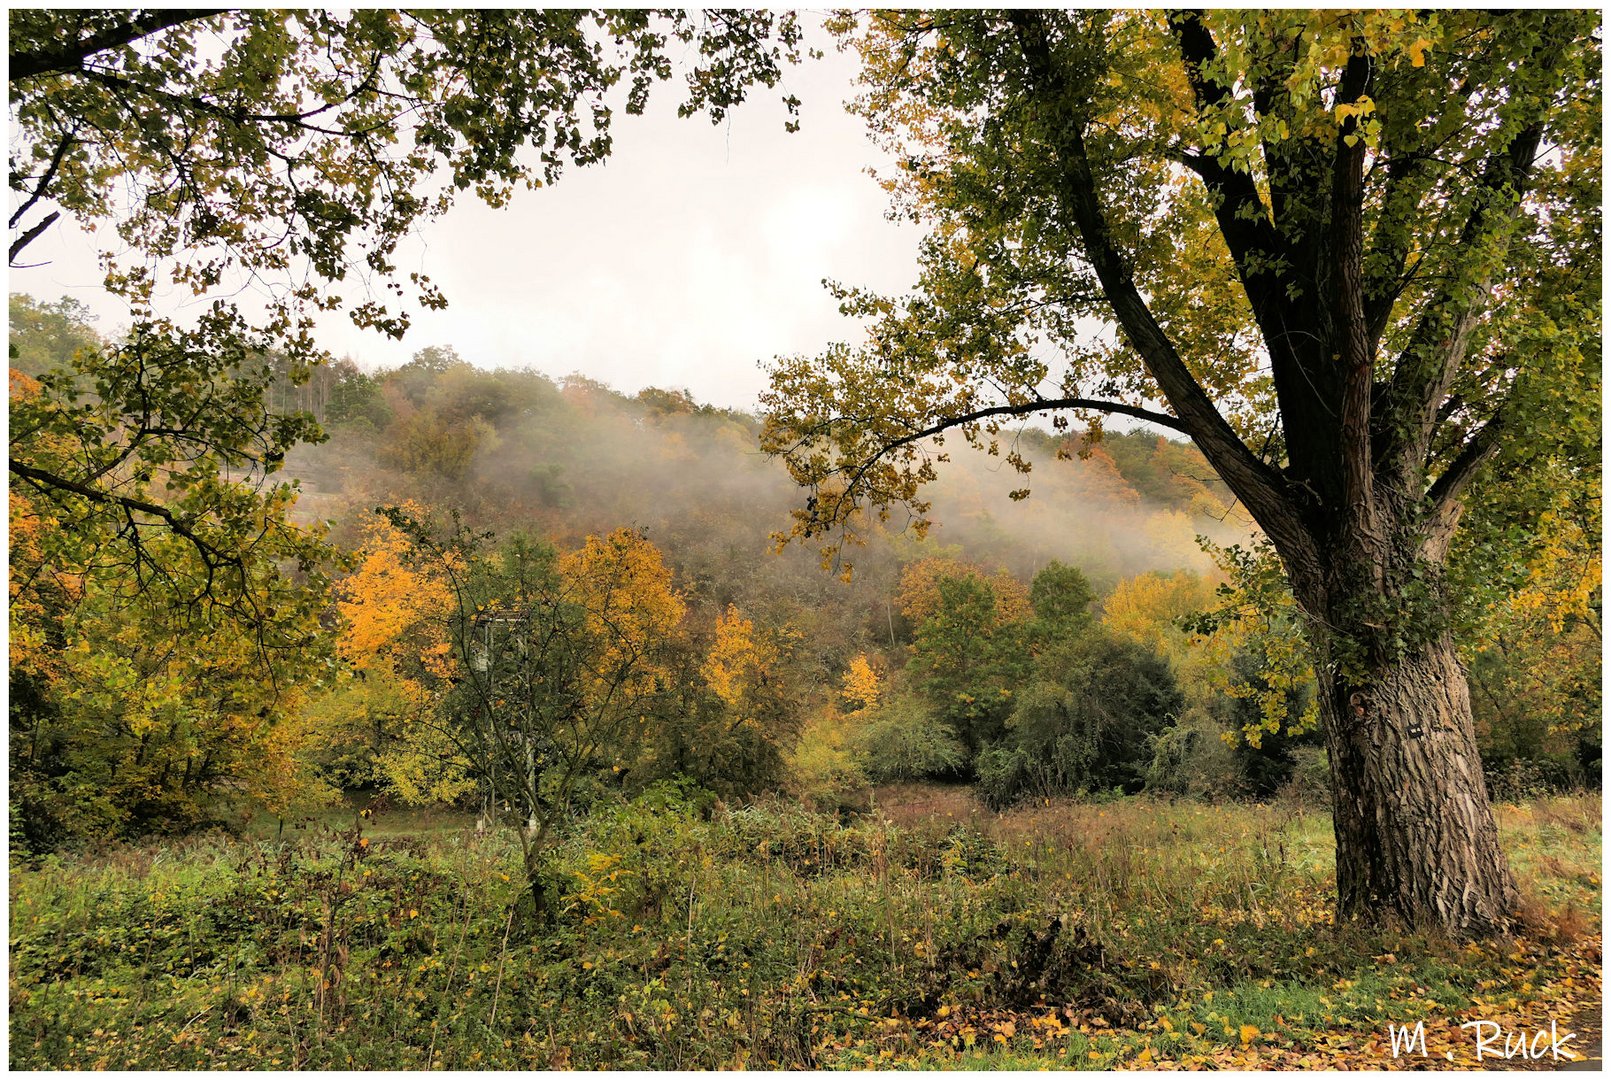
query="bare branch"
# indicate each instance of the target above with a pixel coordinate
(1443, 497)
(45, 178)
(31, 235)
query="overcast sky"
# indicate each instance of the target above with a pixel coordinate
(687, 259)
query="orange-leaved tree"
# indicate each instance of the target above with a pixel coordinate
(395, 638)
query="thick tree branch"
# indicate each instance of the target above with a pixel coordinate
(49, 482)
(1390, 245)
(1258, 486)
(1288, 161)
(1443, 497)
(1040, 405)
(1355, 357)
(1442, 335)
(1243, 219)
(27, 65)
(1265, 262)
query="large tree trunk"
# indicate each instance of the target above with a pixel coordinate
(1416, 836)
(1359, 523)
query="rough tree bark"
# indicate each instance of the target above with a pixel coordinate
(1416, 836)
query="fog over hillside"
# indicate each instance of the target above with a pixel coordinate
(514, 450)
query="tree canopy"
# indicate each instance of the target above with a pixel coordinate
(271, 162)
(1228, 192)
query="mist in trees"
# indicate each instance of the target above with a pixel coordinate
(515, 453)
(1086, 643)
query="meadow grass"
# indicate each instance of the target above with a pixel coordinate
(931, 933)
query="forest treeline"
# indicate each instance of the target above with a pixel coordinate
(537, 593)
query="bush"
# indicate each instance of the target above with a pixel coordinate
(822, 769)
(1086, 725)
(903, 741)
(1192, 758)
(1002, 776)
(1518, 780)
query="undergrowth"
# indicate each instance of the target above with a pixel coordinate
(1128, 933)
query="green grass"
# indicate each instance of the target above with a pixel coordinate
(386, 822)
(947, 937)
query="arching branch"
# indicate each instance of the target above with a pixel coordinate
(1040, 405)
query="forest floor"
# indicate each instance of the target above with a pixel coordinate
(929, 933)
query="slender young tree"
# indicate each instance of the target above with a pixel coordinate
(1351, 255)
(551, 668)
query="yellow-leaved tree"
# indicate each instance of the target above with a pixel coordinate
(730, 713)
(860, 687)
(826, 764)
(623, 586)
(737, 663)
(141, 703)
(394, 636)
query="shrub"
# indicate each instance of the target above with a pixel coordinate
(904, 741)
(1086, 724)
(822, 768)
(1522, 779)
(1192, 758)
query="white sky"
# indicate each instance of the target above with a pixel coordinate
(692, 255)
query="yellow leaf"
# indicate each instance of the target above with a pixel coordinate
(1418, 50)
(1249, 1033)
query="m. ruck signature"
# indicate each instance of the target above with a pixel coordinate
(1493, 1041)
